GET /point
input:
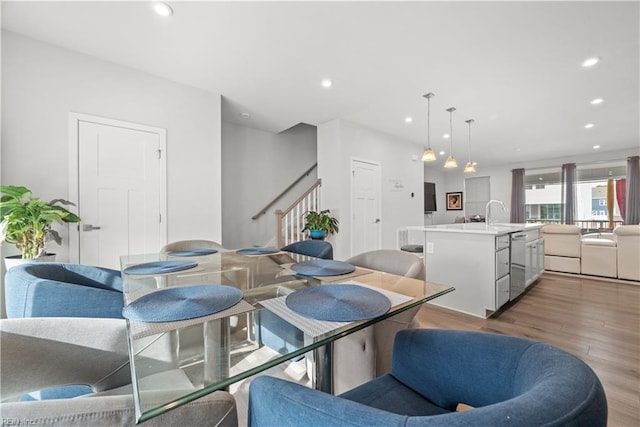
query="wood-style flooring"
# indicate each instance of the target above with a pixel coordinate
(595, 320)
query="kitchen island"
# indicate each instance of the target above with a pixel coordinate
(488, 265)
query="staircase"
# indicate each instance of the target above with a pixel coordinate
(290, 221)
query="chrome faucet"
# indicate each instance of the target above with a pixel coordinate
(486, 210)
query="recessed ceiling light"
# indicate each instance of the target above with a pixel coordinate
(540, 178)
(245, 115)
(590, 62)
(445, 136)
(595, 147)
(589, 125)
(326, 83)
(442, 153)
(597, 101)
(162, 9)
(408, 119)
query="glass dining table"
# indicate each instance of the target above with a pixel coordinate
(175, 362)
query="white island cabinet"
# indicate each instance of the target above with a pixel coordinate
(475, 259)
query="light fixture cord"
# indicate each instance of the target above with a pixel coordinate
(470, 141)
(429, 123)
(450, 133)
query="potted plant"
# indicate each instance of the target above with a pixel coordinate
(320, 224)
(26, 221)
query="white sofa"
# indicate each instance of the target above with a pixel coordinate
(599, 256)
(614, 255)
(562, 247)
(628, 245)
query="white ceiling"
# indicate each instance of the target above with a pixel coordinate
(514, 67)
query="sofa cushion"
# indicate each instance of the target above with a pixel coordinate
(598, 242)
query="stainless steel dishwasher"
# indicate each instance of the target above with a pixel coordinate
(522, 262)
(518, 264)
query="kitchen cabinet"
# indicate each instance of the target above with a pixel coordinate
(474, 258)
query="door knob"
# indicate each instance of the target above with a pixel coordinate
(89, 227)
(377, 220)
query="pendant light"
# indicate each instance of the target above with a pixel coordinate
(469, 168)
(428, 155)
(451, 161)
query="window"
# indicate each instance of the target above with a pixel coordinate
(550, 211)
(543, 195)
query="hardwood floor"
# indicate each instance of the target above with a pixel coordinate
(595, 320)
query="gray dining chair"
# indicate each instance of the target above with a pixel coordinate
(367, 353)
(38, 353)
(184, 245)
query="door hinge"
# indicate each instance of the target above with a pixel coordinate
(159, 154)
(160, 217)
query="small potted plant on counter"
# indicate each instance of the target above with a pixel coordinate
(26, 222)
(320, 224)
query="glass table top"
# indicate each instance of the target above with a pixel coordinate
(174, 363)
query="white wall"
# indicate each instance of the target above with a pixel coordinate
(447, 181)
(42, 83)
(256, 166)
(338, 142)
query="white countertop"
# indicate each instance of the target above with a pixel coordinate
(476, 228)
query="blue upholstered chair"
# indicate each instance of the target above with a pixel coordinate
(508, 381)
(314, 248)
(51, 289)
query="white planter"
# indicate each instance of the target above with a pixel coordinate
(12, 261)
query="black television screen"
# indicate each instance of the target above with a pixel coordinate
(430, 197)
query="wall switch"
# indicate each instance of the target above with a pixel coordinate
(429, 247)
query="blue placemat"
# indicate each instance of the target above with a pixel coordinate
(338, 303)
(194, 252)
(187, 302)
(159, 267)
(258, 251)
(323, 267)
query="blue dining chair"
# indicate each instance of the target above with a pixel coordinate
(53, 289)
(507, 381)
(314, 248)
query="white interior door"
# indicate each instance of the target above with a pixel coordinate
(121, 191)
(366, 217)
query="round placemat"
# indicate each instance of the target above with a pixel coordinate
(323, 267)
(181, 303)
(159, 267)
(338, 302)
(193, 252)
(258, 251)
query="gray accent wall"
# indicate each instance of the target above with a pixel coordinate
(256, 166)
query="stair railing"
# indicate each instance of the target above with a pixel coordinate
(285, 191)
(290, 221)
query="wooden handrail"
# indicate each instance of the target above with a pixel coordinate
(299, 199)
(280, 214)
(286, 190)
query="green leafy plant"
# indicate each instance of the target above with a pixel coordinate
(320, 221)
(26, 220)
